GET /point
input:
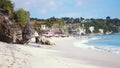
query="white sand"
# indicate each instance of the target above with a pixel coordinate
(63, 55)
(13, 57)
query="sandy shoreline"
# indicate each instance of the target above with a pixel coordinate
(63, 55)
(100, 58)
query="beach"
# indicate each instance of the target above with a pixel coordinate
(64, 54)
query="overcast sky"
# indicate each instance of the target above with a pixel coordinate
(70, 8)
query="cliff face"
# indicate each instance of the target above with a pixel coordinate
(28, 33)
(9, 32)
(12, 33)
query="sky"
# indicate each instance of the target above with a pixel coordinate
(44, 9)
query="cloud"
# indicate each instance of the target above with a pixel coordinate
(79, 2)
(22, 4)
(43, 6)
(46, 8)
(83, 3)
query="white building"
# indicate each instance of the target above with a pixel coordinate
(43, 27)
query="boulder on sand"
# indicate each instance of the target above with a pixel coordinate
(28, 33)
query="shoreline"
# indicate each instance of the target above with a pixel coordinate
(107, 48)
(85, 53)
(65, 55)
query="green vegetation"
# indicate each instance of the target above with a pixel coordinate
(21, 16)
(108, 24)
(50, 22)
(7, 6)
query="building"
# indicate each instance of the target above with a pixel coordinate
(43, 27)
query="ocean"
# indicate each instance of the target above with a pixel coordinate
(109, 43)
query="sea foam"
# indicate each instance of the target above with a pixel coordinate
(83, 43)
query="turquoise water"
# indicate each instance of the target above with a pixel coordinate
(109, 43)
(107, 40)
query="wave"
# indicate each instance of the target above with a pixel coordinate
(84, 43)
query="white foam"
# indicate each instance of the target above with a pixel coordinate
(82, 44)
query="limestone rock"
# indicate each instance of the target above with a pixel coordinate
(28, 32)
(9, 32)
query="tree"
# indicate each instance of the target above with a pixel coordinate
(108, 18)
(21, 16)
(61, 23)
(77, 20)
(7, 5)
(52, 18)
(49, 23)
